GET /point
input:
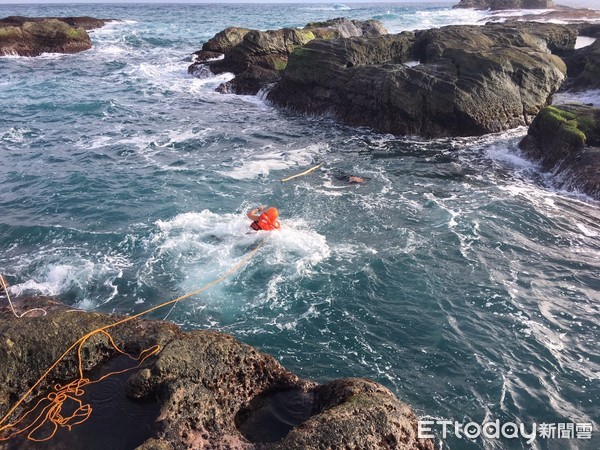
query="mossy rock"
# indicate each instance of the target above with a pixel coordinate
(10, 33)
(280, 64)
(36, 36)
(305, 35)
(563, 125)
(555, 115)
(77, 34)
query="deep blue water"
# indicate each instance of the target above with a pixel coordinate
(458, 276)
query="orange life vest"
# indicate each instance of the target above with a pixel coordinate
(264, 223)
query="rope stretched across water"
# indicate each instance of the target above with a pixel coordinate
(53, 402)
(306, 172)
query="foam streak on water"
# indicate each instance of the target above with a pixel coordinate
(458, 275)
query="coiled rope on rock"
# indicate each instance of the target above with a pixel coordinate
(50, 408)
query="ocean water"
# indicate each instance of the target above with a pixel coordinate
(459, 276)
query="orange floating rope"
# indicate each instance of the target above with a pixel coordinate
(52, 404)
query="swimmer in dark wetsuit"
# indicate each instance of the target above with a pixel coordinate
(351, 179)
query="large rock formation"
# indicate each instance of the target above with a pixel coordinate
(505, 4)
(258, 57)
(210, 390)
(565, 139)
(583, 64)
(27, 36)
(466, 80)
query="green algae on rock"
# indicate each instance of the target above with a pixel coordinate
(28, 36)
(565, 139)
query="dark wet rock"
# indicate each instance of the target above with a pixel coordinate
(85, 22)
(213, 391)
(219, 44)
(250, 81)
(589, 29)
(25, 36)
(257, 58)
(584, 67)
(355, 414)
(505, 4)
(470, 80)
(565, 139)
(344, 28)
(28, 346)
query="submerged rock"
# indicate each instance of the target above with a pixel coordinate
(212, 391)
(258, 57)
(463, 80)
(565, 139)
(28, 36)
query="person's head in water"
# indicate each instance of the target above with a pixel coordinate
(355, 179)
(264, 219)
(351, 179)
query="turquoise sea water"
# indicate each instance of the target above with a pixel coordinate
(458, 276)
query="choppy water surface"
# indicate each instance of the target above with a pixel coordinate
(457, 276)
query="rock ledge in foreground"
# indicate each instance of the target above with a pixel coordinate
(213, 391)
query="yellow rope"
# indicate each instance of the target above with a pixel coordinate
(12, 307)
(71, 391)
(306, 172)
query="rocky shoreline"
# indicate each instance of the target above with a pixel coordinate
(453, 81)
(211, 390)
(463, 80)
(257, 58)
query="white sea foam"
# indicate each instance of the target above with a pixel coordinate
(504, 154)
(590, 96)
(584, 41)
(57, 279)
(336, 7)
(211, 82)
(43, 56)
(14, 135)
(156, 149)
(202, 246)
(112, 50)
(586, 231)
(75, 274)
(256, 164)
(194, 58)
(110, 27)
(435, 18)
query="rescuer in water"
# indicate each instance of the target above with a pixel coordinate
(265, 220)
